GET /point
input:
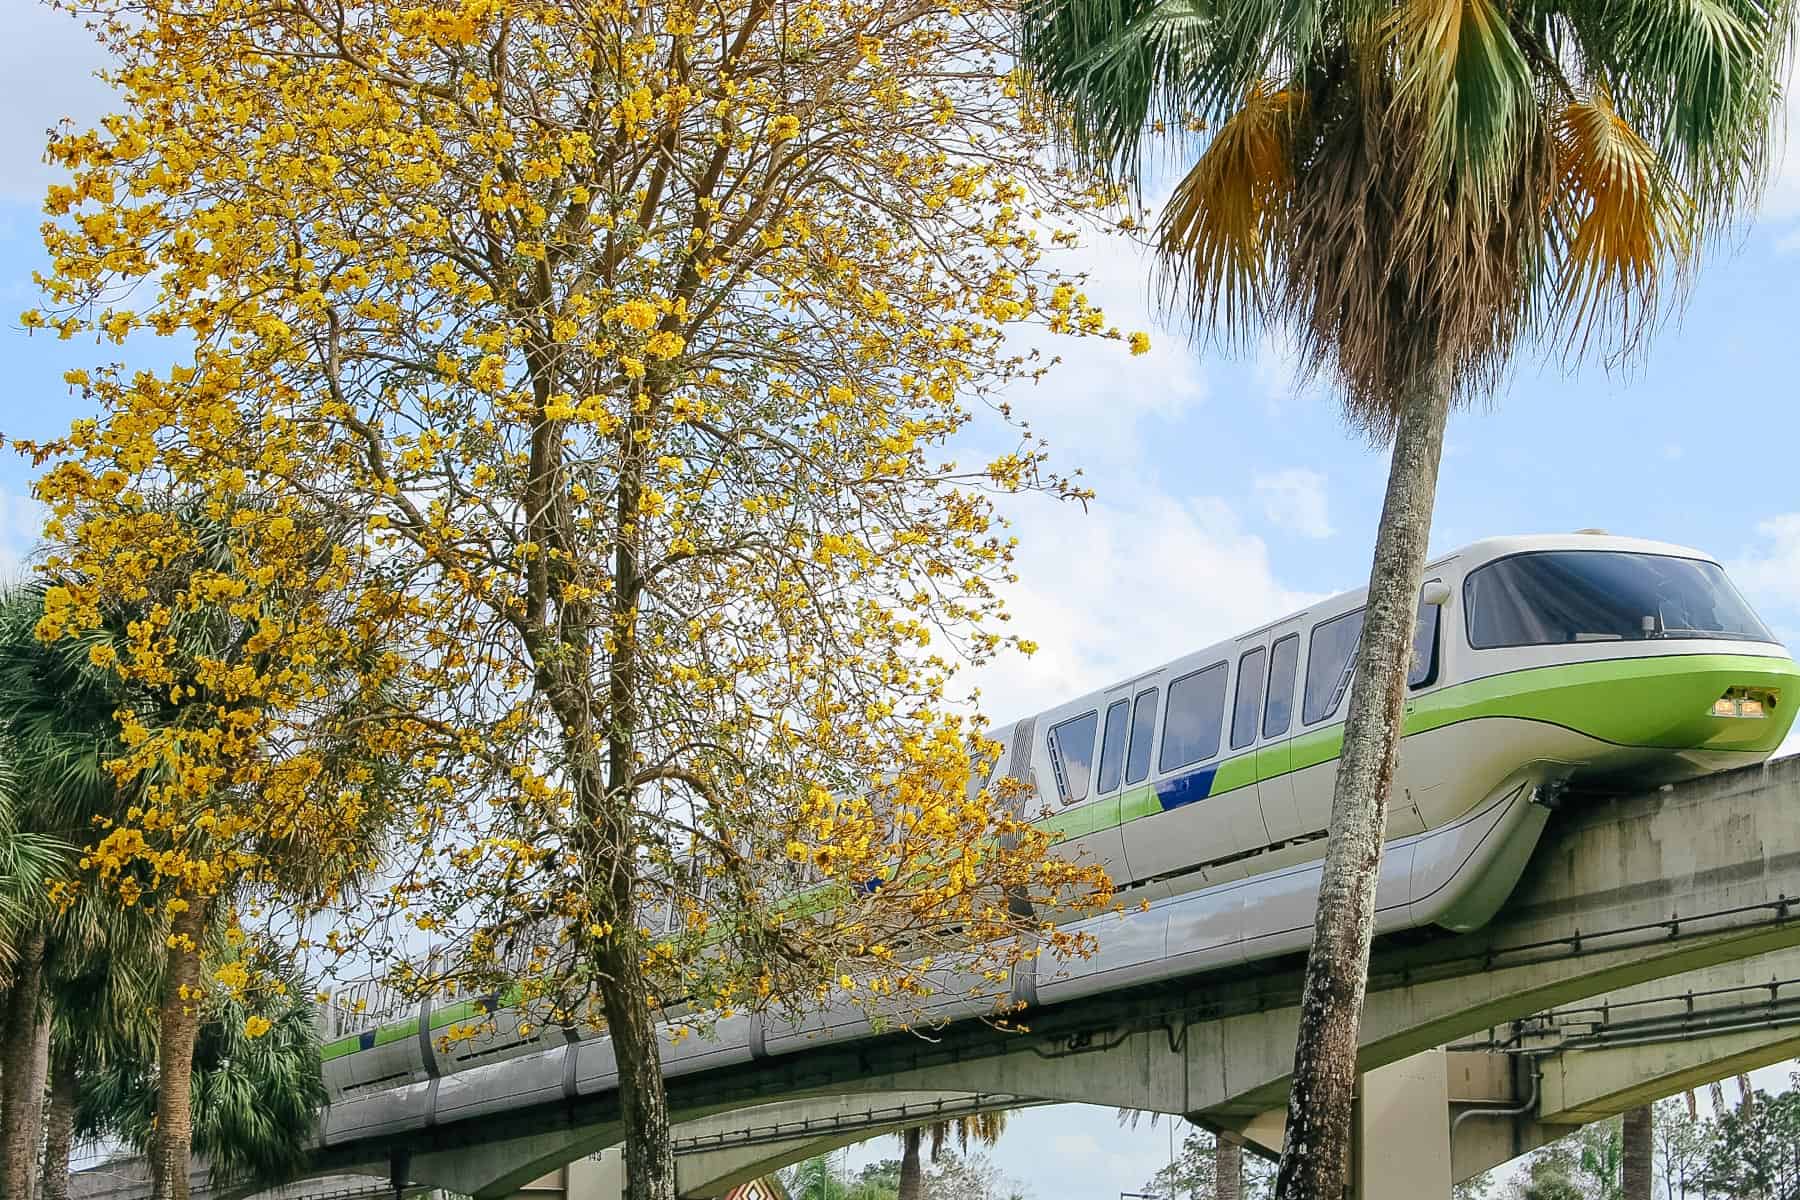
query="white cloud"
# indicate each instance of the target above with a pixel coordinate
(1075, 1145)
(1276, 369)
(21, 526)
(1294, 500)
(1781, 203)
(1140, 578)
(1769, 574)
(1791, 745)
(48, 60)
(1094, 399)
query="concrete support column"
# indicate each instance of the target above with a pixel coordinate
(1401, 1142)
(599, 1177)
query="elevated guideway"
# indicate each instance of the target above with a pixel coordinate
(1484, 1101)
(1581, 1063)
(1619, 892)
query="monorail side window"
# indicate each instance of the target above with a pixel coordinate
(1072, 756)
(1143, 733)
(1248, 701)
(1556, 597)
(1196, 714)
(1329, 664)
(1424, 647)
(1112, 744)
(1278, 713)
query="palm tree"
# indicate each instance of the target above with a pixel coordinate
(256, 1092)
(102, 983)
(983, 1128)
(29, 862)
(298, 862)
(1409, 189)
(56, 733)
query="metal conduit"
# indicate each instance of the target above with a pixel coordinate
(1530, 1103)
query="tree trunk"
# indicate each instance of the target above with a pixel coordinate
(21, 1075)
(1636, 1153)
(59, 1126)
(1228, 1167)
(643, 1100)
(912, 1166)
(1746, 1095)
(179, 1027)
(1337, 967)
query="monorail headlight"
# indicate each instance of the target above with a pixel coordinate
(1741, 702)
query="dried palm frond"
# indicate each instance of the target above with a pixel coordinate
(1624, 221)
(1218, 225)
(1380, 288)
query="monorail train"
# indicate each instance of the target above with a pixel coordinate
(1204, 785)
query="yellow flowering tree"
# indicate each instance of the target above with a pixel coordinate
(630, 341)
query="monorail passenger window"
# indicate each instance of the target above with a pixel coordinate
(1248, 701)
(1072, 756)
(1143, 732)
(1424, 647)
(1112, 745)
(1196, 713)
(1278, 713)
(1329, 665)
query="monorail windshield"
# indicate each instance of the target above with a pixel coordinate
(1555, 597)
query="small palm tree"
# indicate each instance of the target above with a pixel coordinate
(256, 1090)
(102, 982)
(56, 732)
(982, 1128)
(29, 862)
(1410, 189)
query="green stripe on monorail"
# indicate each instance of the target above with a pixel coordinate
(399, 1031)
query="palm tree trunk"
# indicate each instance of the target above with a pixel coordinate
(21, 1075)
(1636, 1152)
(1337, 967)
(912, 1168)
(1228, 1167)
(59, 1126)
(179, 1027)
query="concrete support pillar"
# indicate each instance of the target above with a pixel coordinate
(1401, 1144)
(599, 1177)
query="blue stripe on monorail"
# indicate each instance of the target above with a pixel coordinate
(1185, 789)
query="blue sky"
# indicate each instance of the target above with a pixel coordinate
(1225, 496)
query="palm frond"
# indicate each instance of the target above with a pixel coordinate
(1117, 69)
(1625, 222)
(1217, 228)
(1461, 70)
(1698, 79)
